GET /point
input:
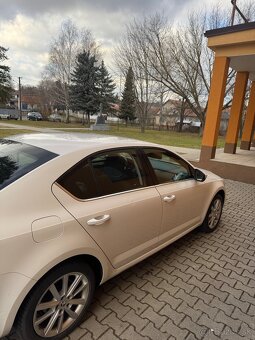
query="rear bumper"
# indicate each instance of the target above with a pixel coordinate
(13, 289)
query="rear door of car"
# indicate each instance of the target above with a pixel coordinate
(110, 195)
(182, 197)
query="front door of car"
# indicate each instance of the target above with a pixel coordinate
(182, 197)
(109, 196)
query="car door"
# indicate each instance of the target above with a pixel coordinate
(182, 197)
(110, 197)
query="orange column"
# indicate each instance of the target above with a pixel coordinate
(249, 121)
(236, 112)
(215, 103)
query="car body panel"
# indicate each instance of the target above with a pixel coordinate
(13, 289)
(137, 212)
(186, 209)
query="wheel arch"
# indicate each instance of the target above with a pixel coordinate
(91, 260)
(222, 193)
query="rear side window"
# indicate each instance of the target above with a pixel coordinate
(17, 159)
(117, 171)
(79, 181)
(104, 174)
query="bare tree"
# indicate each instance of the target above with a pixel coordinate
(177, 57)
(47, 95)
(63, 52)
(181, 60)
(131, 51)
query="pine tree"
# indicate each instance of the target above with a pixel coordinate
(106, 88)
(5, 78)
(84, 90)
(127, 109)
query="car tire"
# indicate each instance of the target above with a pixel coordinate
(213, 215)
(57, 290)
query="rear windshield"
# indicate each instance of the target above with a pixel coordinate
(17, 159)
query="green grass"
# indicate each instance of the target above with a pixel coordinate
(172, 138)
(43, 124)
(11, 132)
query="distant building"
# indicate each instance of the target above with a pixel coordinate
(170, 115)
(30, 100)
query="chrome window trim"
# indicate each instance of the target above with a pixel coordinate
(105, 196)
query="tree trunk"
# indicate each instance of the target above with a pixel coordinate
(67, 113)
(142, 123)
(88, 116)
(181, 123)
(201, 130)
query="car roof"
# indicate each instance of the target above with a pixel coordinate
(64, 143)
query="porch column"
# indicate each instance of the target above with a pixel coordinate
(215, 103)
(249, 121)
(236, 112)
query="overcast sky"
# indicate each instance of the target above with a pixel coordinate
(28, 26)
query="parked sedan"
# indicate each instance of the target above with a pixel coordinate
(34, 116)
(54, 117)
(87, 207)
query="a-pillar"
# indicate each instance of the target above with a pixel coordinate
(215, 103)
(249, 121)
(236, 112)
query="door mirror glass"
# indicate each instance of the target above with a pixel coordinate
(199, 175)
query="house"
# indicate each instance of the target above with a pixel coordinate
(169, 115)
(30, 100)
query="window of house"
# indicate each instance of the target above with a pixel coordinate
(167, 167)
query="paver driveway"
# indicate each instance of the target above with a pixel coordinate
(200, 287)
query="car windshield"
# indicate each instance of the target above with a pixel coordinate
(17, 159)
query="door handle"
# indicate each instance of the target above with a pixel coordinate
(98, 220)
(169, 198)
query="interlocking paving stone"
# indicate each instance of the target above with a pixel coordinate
(200, 287)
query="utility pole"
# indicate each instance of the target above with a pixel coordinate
(236, 9)
(233, 12)
(20, 111)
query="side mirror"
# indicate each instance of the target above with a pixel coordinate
(199, 175)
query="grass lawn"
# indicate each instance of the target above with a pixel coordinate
(172, 138)
(11, 132)
(42, 124)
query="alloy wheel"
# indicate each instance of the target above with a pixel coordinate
(61, 304)
(215, 213)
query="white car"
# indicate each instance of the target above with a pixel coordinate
(77, 210)
(54, 117)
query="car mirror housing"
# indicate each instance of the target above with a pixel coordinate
(199, 175)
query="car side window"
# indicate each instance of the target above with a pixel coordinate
(104, 174)
(117, 171)
(166, 166)
(79, 181)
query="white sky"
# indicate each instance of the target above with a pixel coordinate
(28, 26)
